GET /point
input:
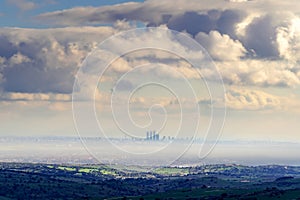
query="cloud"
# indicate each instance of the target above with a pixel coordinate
(59, 106)
(123, 25)
(257, 72)
(45, 61)
(17, 59)
(35, 97)
(152, 12)
(221, 47)
(238, 1)
(245, 99)
(288, 40)
(258, 25)
(193, 18)
(250, 48)
(23, 4)
(1, 81)
(91, 15)
(260, 35)
(124, 85)
(271, 36)
(194, 22)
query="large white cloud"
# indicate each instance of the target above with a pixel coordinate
(221, 47)
(288, 40)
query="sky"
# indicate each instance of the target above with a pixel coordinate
(253, 44)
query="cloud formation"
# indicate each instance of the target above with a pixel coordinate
(23, 4)
(245, 21)
(262, 73)
(34, 97)
(250, 46)
(245, 99)
(42, 61)
(50, 59)
(221, 47)
(152, 12)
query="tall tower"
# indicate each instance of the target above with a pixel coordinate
(150, 136)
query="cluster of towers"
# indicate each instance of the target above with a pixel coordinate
(152, 135)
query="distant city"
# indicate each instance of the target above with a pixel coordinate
(154, 136)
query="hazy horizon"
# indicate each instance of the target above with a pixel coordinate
(224, 71)
(70, 150)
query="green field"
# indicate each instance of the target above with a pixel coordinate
(171, 171)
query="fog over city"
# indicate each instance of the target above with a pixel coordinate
(71, 151)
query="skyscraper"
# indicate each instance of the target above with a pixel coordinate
(150, 135)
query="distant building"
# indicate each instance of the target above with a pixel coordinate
(152, 135)
(156, 137)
